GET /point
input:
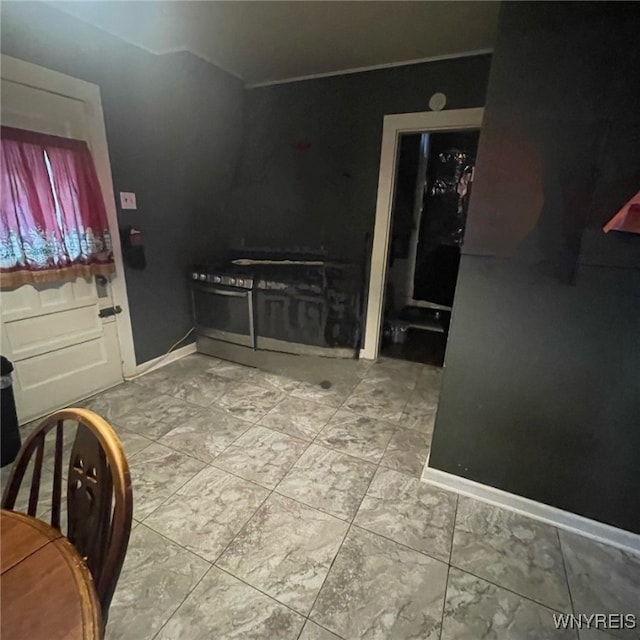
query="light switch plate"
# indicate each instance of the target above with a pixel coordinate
(127, 200)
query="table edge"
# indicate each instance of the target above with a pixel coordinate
(91, 612)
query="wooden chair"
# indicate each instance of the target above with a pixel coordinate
(99, 496)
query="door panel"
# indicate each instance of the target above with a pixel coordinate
(61, 350)
(57, 378)
(31, 336)
(34, 300)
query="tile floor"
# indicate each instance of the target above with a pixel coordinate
(270, 507)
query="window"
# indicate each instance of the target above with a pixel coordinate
(53, 223)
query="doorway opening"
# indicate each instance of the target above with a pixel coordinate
(434, 177)
(427, 163)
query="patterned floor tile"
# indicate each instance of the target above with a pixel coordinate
(312, 631)
(268, 380)
(328, 480)
(331, 396)
(357, 435)
(163, 379)
(249, 401)
(377, 589)
(410, 512)
(403, 372)
(132, 442)
(205, 435)
(418, 419)
(157, 472)
(285, 551)
(384, 400)
(314, 430)
(407, 452)
(119, 400)
(261, 455)
(602, 579)
(201, 388)
(297, 417)
(223, 607)
(156, 577)
(234, 371)
(512, 551)
(156, 416)
(206, 513)
(475, 608)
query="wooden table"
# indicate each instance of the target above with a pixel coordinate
(47, 590)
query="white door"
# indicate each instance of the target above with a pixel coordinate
(62, 350)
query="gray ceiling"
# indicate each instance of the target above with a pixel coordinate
(271, 41)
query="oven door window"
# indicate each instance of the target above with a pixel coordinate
(223, 313)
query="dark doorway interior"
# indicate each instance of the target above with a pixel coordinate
(434, 176)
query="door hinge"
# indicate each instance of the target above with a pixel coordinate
(110, 311)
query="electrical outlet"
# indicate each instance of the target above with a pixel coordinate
(127, 200)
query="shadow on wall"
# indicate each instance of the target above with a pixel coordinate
(310, 157)
(289, 198)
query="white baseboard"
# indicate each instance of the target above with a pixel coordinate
(597, 531)
(161, 361)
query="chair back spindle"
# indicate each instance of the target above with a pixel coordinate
(34, 493)
(56, 497)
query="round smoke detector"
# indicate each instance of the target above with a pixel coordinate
(437, 102)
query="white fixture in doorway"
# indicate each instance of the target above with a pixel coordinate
(394, 126)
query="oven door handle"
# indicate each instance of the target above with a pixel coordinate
(221, 292)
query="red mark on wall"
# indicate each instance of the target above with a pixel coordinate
(301, 146)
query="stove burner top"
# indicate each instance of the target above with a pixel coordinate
(223, 277)
(247, 262)
(275, 273)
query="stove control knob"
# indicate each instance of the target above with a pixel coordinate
(194, 275)
(240, 282)
(232, 281)
(202, 276)
(217, 279)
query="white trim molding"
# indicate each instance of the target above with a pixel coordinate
(162, 361)
(393, 126)
(373, 67)
(593, 529)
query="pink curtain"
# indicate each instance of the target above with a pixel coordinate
(53, 222)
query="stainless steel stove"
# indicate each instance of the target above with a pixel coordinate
(289, 303)
(223, 305)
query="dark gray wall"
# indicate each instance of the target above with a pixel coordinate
(541, 389)
(174, 126)
(311, 150)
